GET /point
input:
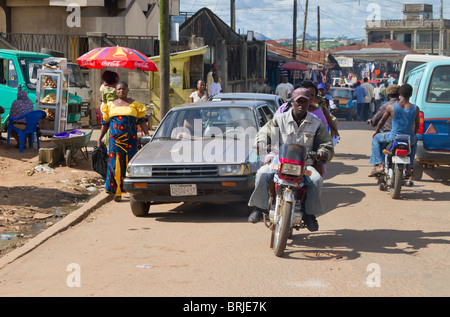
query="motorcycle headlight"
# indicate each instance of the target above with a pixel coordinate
(234, 169)
(139, 171)
(291, 169)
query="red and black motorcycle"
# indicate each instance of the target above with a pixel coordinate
(288, 194)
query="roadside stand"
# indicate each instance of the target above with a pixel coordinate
(118, 56)
(52, 96)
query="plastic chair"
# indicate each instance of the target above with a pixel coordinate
(32, 118)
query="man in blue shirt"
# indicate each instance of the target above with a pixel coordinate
(359, 93)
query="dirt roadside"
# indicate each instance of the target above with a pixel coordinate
(35, 196)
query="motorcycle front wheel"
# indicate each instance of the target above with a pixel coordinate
(282, 227)
(396, 185)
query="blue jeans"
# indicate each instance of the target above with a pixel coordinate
(363, 113)
(380, 141)
(260, 195)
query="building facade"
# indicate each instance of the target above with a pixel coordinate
(417, 30)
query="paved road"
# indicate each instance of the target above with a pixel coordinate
(367, 245)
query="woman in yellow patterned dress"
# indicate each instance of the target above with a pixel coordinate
(121, 117)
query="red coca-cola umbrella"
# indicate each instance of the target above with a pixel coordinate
(116, 56)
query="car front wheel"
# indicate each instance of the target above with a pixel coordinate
(139, 208)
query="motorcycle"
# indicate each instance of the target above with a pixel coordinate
(395, 161)
(287, 194)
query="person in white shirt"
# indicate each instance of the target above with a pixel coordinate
(209, 77)
(378, 97)
(200, 94)
(367, 99)
(283, 89)
(215, 87)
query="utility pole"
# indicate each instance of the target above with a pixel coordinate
(294, 40)
(441, 31)
(432, 39)
(164, 55)
(233, 14)
(304, 25)
(318, 28)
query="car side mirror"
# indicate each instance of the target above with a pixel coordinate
(145, 139)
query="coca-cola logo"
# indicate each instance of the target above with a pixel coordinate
(87, 63)
(110, 63)
(141, 64)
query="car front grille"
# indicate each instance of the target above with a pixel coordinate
(184, 171)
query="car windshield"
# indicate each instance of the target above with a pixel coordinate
(187, 123)
(76, 76)
(341, 93)
(30, 67)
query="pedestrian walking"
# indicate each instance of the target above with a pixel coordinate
(367, 99)
(359, 93)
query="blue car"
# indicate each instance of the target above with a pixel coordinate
(431, 93)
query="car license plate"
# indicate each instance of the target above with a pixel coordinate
(400, 159)
(183, 190)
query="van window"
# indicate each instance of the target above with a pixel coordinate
(439, 88)
(409, 67)
(12, 75)
(30, 67)
(414, 81)
(3, 71)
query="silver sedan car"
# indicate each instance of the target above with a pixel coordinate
(201, 152)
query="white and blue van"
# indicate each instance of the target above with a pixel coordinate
(431, 93)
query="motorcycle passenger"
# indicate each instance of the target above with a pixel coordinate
(392, 94)
(405, 120)
(300, 126)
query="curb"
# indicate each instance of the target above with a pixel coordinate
(71, 219)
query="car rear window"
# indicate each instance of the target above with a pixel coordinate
(439, 88)
(337, 93)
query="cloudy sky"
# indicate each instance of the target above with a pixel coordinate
(274, 18)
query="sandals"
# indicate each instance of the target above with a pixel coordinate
(376, 171)
(408, 172)
(117, 199)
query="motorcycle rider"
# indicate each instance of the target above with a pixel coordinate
(405, 120)
(300, 126)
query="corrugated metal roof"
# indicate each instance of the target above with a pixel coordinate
(206, 24)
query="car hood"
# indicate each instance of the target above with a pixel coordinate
(207, 151)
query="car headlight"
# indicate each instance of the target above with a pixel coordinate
(139, 171)
(234, 169)
(291, 169)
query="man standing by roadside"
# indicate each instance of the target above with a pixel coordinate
(259, 83)
(359, 94)
(209, 77)
(215, 87)
(367, 99)
(378, 97)
(265, 89)
(283, 90)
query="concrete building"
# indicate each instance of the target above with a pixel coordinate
(118, 17)
(417, 30)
